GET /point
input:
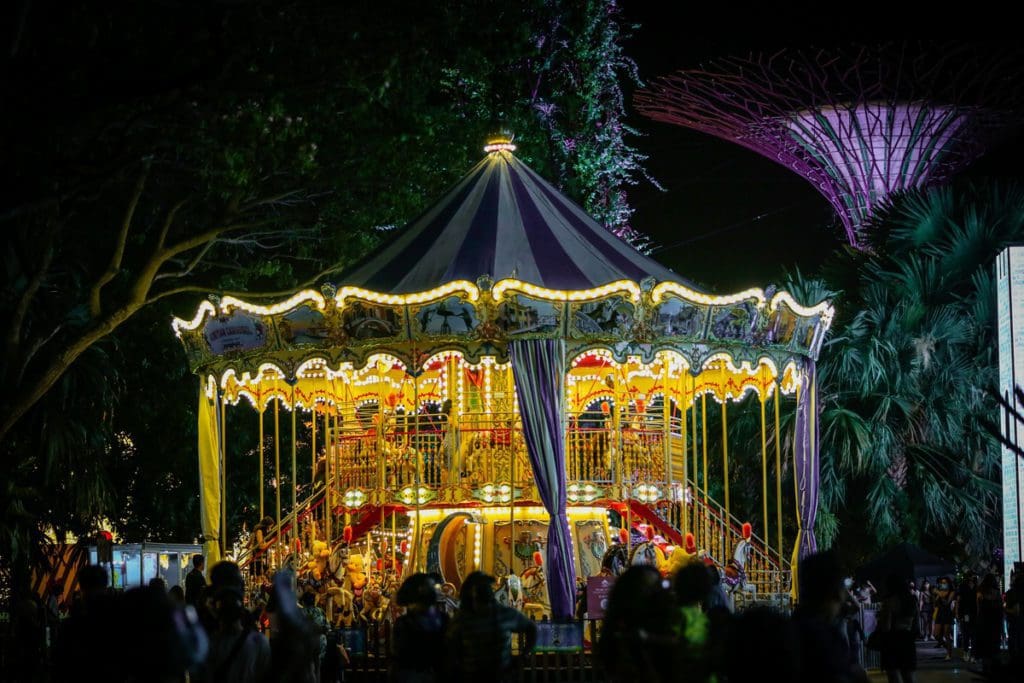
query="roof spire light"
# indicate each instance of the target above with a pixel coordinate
(499, 143)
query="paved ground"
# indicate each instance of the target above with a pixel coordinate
(932, 667)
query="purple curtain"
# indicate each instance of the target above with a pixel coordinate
(538, 367)
(806, 462)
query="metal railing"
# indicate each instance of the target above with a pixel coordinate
(369, 649)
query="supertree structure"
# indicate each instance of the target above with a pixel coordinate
(860, 123)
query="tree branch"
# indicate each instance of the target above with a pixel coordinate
(167, 224)
(21, 310)
(95, 305)
(30, 354)
(191, 264)
(200, 289)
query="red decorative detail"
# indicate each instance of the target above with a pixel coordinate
(649, 532)
(404, 547)
(747, 530)
(691, 543)
(347, 534)
(593, 361)
(605, 407)
(538, 559)
(380, 565)
(623, 535)
(641, 406)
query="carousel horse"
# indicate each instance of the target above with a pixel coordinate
(449, 598)
(735, 578)
(615, 560)
(510, 592)
(534, 592)
(647, 553)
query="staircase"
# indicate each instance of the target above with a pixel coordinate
(714, 531)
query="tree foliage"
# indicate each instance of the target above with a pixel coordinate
(164, 151)
(908, 373)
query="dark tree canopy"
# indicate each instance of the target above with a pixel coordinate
(160, 151)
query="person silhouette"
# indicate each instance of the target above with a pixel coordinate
(479, 638)
(417, 644)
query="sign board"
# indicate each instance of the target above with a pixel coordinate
(598, 588)
(237, 332)
(1010, 311)
(558, 637)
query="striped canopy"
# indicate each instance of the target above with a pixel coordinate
(504, 221)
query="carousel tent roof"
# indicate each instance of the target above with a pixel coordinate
(505, 221)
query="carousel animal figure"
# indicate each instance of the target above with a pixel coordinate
(343, 606)
(597, 545)
(681, 555)
(615, 560)
(534, 588)
(355, 578)
(449, 598)
(648, 552)
(510, 592)
(735, 578)
(375, 602)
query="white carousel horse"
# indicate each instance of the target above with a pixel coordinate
(534, 591)
(735, 578)
(510, 592)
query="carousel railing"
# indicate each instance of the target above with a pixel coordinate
(489, 448)
(615, 448)
(718, 533)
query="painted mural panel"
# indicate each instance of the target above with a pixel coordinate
(591, 544)
(526, 316)
(678, 318)
(735, 322)
(304, 325)
(781, 326)
(365, 320)
(608, 317)
(450, 317)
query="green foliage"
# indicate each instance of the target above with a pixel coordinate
(311, 129)
(905, 374)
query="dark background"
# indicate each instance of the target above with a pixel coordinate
(729, 218)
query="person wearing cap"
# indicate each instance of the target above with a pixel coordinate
(238, 653)
(417, 647)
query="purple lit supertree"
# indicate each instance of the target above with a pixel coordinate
(860, 124)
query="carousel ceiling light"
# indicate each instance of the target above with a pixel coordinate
(501, 145)
(204, 308)
(230, 302)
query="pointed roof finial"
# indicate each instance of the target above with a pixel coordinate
(500, 143)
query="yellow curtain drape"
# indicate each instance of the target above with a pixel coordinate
(209, 478)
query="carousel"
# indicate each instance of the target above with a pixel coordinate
(506, 386)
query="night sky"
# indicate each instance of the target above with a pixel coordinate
(730, 218)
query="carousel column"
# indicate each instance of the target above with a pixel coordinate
(806, 469)
(329, 474)
(704, 447)
(293, 484)
(764, 466)
(778, 471)
(209, 477)
(277, 462)
(261, 409)
(223, 474)
(684, 513)
(696, 470)
(452, 423)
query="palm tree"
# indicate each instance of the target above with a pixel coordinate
(906, 376)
